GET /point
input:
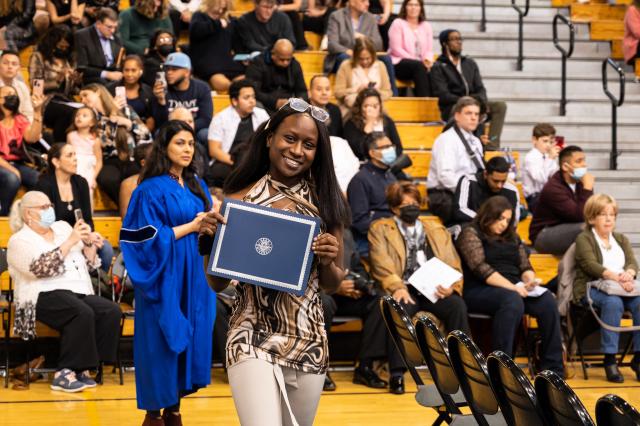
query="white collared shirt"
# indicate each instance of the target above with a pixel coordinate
(224, 125)
(536, 171)
(450, 160)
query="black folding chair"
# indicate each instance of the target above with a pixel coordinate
(404, 336)
(435, 352)
(558, 401)
(471, 369)
(515, 393)
(611, 410)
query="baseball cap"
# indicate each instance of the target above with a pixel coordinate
(178, 60)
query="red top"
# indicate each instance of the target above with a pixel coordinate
(631, 33)
(11, 138)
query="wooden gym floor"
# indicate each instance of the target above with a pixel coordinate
(349, 405)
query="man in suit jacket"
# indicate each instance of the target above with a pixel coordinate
(342, 34)
(99, 50)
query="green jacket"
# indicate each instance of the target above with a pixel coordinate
(135, 30)
(589, 260)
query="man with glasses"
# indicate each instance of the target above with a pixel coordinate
(366, 191)
(99, 50)
(277, 76)
(258, 30)
(454, 76)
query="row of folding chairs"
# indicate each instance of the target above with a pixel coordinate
(495, 389)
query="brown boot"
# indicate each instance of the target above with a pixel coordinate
(150, 420)
(171, 419)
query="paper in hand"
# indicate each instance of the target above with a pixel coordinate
(536, 292)
(432, 274)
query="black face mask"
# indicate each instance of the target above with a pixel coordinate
(60, 53)
(410, 213)
(165, 49)
(12, 103)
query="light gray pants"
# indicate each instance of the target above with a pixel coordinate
(269, 395)
(557, 239)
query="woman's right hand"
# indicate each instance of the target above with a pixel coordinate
(81, 232)
(403, 296)
(208, 223)
(521, 290)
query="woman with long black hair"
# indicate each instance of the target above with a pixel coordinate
(277, 344)
(175, 308)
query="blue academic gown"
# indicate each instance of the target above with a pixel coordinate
(175, 308)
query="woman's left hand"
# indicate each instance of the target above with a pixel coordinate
(326, 247)
(97, 240)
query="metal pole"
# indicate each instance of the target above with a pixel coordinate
(563, 100)
(565, 55)
(615, 103)
(521, 15)
(613, 159)
(483, 20)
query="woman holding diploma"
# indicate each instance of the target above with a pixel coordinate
(398, 245)
(277, 351)
(498, 278)
(175, 309)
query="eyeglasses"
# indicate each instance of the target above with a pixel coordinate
(301, 105)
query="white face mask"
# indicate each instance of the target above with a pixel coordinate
(47, 217)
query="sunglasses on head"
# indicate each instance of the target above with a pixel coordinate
(300, 105)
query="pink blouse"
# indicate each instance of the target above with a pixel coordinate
(631, 33)
(405, 43)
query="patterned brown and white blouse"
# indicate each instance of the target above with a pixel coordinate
(276, 326)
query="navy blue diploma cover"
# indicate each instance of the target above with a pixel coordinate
(264, 246)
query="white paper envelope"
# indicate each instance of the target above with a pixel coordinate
(432, 274)
(536, 292)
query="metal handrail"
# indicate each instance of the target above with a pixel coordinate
(615, 103)
(565, 54)
(483, 19)
(521, 15)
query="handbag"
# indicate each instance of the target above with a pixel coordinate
(33, 158)
(612, 288)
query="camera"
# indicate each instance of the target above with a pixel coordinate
(363, 284)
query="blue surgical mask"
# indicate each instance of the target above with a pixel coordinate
(389, 155)
(47, 217)
(578, 173)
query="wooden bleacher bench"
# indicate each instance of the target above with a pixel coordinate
(637, 65)
(311, 61)
(418, 136)
(590, 12)
(606, 30)
(420, 167)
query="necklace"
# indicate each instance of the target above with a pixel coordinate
(69, 205)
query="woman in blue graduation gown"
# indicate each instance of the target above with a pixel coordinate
(175, 308)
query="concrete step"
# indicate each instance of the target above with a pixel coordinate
(551, 66)
(519, 107)
(583, 49)
(576, 133)
(504, 11)
(526, 87)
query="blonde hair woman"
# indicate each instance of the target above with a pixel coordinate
(48, 262)
(603, 254)
(211, 31)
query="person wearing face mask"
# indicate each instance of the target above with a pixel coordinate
(559, 216)
(15, 130)
(138, 22)
(366, 190)
(49, 262)
(398, 245)
(367, 116)
(161, 44)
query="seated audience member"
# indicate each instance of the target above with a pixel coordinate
(16, 130)
(230, 129)
(258, 30)
(182, 114)
(92, 8)
(366, 191)
(455, 153)
(66, 12)
(99, 49)
(48, 261)
(345, 163)
(52, 62)
(354, 298)
(631, 39)
(83, 137)
(120, 131)
(605, 256)
(559, 216)
(367, 116)
(398, 246)
(161, 44)
(362, 71)
(139, 94)
(291, 8)
(68, 191)
(17, 30)
(540, 163)
(473, 190)
(212, 31)
(316, 17)
(9, 69)
(183, 91)
(455, 76)
(411, 46)
(345, 26)
(131, 183)
(181, 13)
(139, 22)
(277, 76)
(319, 95)
(382, 10)
(41, 21)
(498, 277)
